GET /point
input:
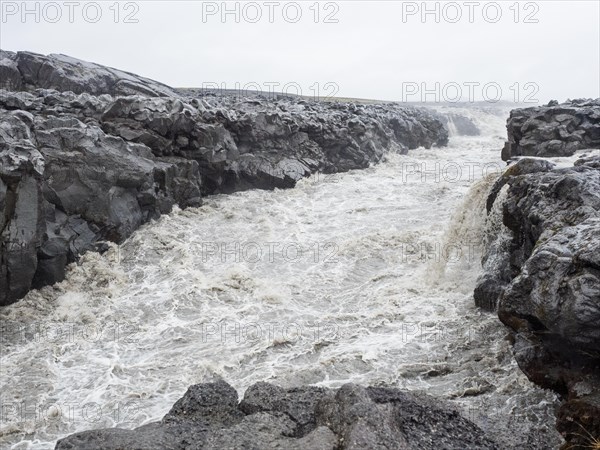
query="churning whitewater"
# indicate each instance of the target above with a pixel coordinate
(363, 277)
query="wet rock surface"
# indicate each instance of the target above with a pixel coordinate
(67, 187)
(553, 130)
(553, 303)
(497, 271)
(542, 271)
(30, 71)
(352, 417)
(266, 144)
(90, 153)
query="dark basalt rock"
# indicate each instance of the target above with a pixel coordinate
(242, 144)
(29, 71)
(10, 77)
(545, 280)
(90, 153)
(497, 271)
(270, 417)
(66, 186)
(553, 130)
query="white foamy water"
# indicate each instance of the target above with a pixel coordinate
(363, 277)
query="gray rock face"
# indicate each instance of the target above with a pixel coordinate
(554, 130)
(269, 417)
(90, 153)
(255, 143)
(66, 186)
(546, 282)
(10, 77)
(497, 271)
(29, 71)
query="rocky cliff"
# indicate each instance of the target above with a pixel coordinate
(553, 130)
(90, 153)
(542, 269)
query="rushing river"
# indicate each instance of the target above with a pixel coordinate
(362, 277)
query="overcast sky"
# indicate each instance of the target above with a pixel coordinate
(384, 50)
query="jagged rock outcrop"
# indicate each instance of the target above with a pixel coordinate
(90, 153)
(497, 270)
(66, 186)
(541, 264)
(541, 272)
(553, 130)
(553, 304)
(269, 417)
(29, 71)
(540, 202)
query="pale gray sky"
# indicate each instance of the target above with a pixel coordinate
(376, 49)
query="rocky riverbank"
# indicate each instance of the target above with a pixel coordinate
(542, 265)
(352, 417)
(553, 130)
(90, 153)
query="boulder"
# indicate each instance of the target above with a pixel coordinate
(269, 417)
(10, 77)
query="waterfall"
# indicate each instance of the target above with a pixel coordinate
(452, 130)
(465, 236)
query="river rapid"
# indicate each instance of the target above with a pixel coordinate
(362, 277)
